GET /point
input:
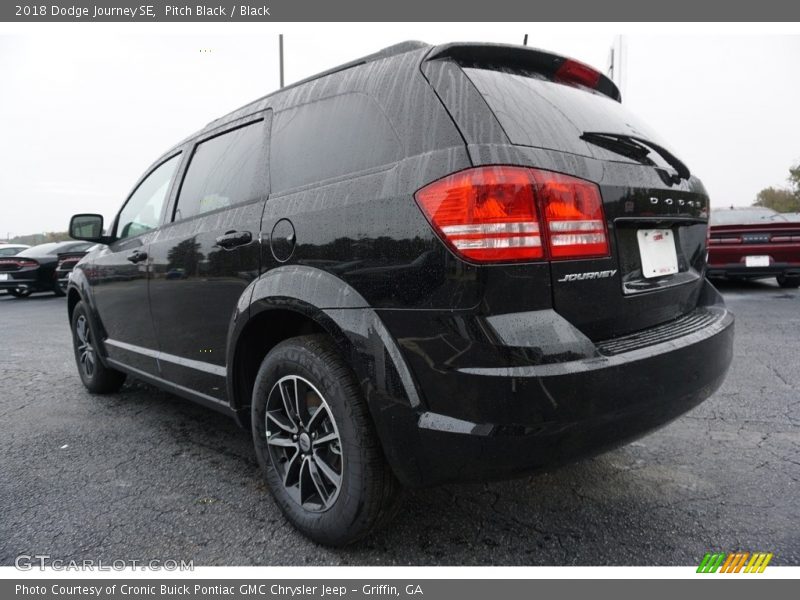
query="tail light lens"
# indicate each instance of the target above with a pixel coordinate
(66, 263)
(573, 71)
(573, 210)
(20, 263)
(726, 240)
(502, 214)
(485, 214)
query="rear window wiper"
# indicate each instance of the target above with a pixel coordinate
(636, 148)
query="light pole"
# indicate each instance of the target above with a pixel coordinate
(280, 55)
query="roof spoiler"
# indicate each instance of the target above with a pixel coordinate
(558, 68)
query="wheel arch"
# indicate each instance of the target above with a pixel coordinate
(269, 323)
(78, 291)
(297, 301)
(73, 297)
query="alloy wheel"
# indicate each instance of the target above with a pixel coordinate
(86, 356)
(304, 443)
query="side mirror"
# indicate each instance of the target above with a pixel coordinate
(87, 227)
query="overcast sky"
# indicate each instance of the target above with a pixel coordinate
(81, 116)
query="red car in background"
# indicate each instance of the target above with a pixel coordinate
(754, 243)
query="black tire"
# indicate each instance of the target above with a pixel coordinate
(19, 293)
(58, 290)
(368, 492)
(788, 281)
(97, 378)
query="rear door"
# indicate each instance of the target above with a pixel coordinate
(208, 252)
(118, 272)
(656, 215)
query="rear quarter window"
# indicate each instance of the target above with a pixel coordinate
(227, 169)
(330, 138)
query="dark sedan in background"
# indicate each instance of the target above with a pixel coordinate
(754, 243)
(34, 269)
(67, 262)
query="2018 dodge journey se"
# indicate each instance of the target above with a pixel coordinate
(432, 264)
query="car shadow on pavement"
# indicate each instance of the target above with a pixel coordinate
(750, 286)
(574, 515)
(37, 296)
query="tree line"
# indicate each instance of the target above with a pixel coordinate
(34, 239)
(782, 199)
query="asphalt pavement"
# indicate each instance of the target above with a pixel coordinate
(144, 475)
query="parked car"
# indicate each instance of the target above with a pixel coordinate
(754, 243)
(34, 269)
(432, 264)
(12, 249)
(66, 262)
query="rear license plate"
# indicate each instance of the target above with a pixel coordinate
(3, 276)
(756, 261)
(657, 251)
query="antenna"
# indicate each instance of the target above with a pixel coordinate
(525, 40)
(280, 55)
(616, 62)
(611, 64)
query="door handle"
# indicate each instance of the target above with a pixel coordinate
(137, 256)
(232, 239)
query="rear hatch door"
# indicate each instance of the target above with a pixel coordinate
(655, 210)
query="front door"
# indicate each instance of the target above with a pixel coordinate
(119, 273)
(208, 253)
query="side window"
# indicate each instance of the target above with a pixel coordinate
(228, 169)
(142, 212)
(330, 138)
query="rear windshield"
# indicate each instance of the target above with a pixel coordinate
(54, 248)
(535, 111)
(744, 216)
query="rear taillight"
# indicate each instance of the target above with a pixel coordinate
(502, 214)
(20, 263)
(573, 210)
(726, 240)
(783, 239)
(485, 214)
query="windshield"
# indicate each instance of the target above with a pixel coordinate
(743, 216)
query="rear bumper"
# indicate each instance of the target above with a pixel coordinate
(40, 279)
(62, 278)
(741, 271)
(514, 420)
(24, 283)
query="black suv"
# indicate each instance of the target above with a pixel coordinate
(432, 264)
